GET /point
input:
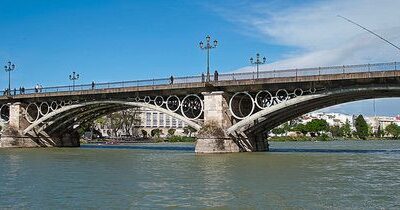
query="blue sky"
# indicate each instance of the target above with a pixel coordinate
(114, 40)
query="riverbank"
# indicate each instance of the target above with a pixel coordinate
(322, 138)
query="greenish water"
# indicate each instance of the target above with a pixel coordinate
(311, 175)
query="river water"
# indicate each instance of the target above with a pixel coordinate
(311, 175)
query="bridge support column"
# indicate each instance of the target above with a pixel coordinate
(259, 143)
(15, 116)
(212, 138)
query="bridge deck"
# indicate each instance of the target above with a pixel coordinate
(226, 82)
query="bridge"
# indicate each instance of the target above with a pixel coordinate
(232, 112)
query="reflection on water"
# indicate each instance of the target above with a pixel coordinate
(351, 174)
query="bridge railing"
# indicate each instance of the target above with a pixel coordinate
(221, 77)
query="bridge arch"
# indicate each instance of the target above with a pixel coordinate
(67, 113)
(275, 115)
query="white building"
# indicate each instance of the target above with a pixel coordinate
(149, 120)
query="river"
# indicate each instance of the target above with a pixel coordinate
(311, 175)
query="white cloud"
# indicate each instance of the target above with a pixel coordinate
(322, 38)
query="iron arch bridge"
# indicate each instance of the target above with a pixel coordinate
(245, 108)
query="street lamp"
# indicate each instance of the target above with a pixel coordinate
(258, 61)
(9, 67)
(73, 77)
(208, 46)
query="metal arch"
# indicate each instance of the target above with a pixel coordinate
(285, 92)
(1, 111)
(27, 115)
(248, 122)
(179, 103)
(133, 104)
(70, 115)
(40, 108)
(84, 115)
(230, 105)
(201, 104)
(88, 118)
(53, 105)
(159, 104)
(268, 103)
(298, 92)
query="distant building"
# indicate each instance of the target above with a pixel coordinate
(147, 120)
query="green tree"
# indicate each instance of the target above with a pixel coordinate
(188, 130)
(393, 130)
(379, 133)
(278, 130)
(336, 131)
(171, 131)
(156, 133)
(144, 133)
(301, 128)
(346, 129)
(317, 125)
(361, 127)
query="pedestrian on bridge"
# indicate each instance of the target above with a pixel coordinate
(172, 80)
(92, 85)
(203, 78)
(216, 76)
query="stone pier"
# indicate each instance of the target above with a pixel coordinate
(212, 138)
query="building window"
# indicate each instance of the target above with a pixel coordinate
(173, 122)
(148, 119)
(161, 120)
(167, 121)
(155, 119)
(180, 124)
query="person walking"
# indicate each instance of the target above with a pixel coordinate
(216, 76)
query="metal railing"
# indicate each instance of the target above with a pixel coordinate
(346, 69)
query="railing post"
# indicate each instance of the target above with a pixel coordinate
(369, 67)
(274, 73)
(296, 75)
(395, 66)
(233, 76)
(153, 81)
(319, 71)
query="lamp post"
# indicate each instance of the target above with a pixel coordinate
(208, 46)
(258, 62)
(73, 77)
(9, 67)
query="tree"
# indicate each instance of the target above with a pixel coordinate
(156, 133)
(361, 127)
(188, 130)
(116, 122)
(393, 130)
(317, 125)
(144, 134)
(336, 131)
(130, 118)
(346, 129)
(379, 133)
(171, 131)
(278, 130)
(301, 128)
